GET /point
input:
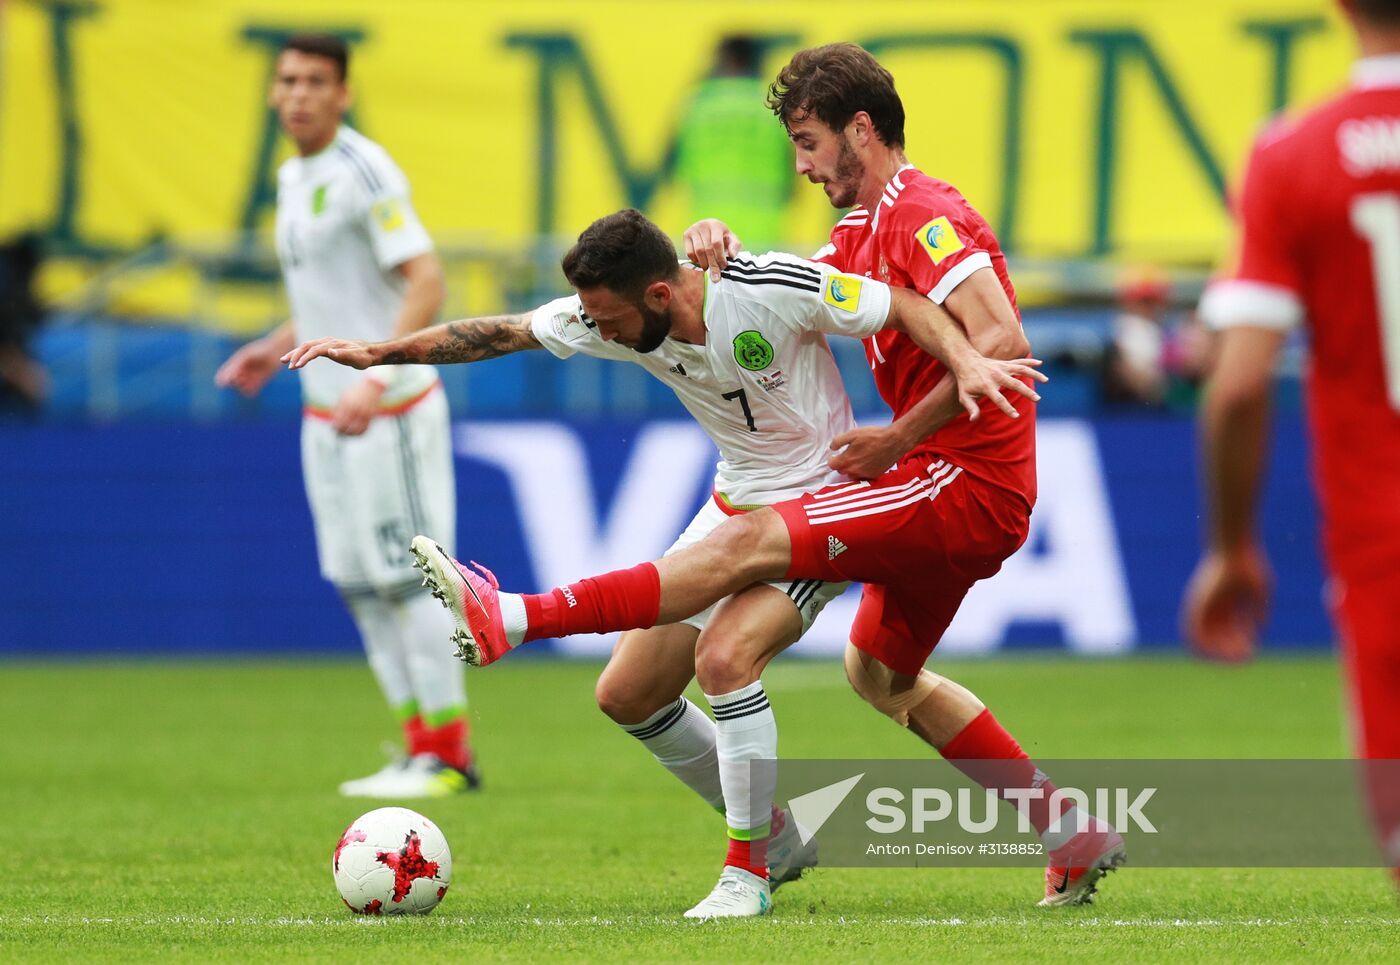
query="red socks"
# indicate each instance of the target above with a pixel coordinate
(981, 750)
(448, 742)
(752, 856)
(621, 600)
(415, 735)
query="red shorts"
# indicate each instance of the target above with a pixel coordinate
(918, 537)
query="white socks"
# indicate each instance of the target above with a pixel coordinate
(435, 672)
(746, 731)
(379, 633)
(682, 738)
(513, 617)
(404, 641)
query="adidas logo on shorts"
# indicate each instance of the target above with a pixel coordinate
(834, 547)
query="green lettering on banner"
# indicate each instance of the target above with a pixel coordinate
(1282, 37)
(557, 58)
(1116, 50)
(262, 189)
(1006, 51)
(63, 16)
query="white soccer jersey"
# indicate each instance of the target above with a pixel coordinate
(764, 386)
(344, 222)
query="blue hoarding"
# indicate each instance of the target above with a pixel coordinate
(189, 539)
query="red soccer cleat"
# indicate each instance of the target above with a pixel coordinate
(1075, 868)
(471, 599)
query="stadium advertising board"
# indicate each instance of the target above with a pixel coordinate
(1079, 127)
(1113, 536)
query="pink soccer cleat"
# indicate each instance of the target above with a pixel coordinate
(1075, 868)
(471, 599)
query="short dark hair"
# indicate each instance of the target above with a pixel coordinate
(624, 253)
(1383, 13)
(834, 83)
(739, 54)
(322, 45)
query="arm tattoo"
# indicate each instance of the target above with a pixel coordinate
(469, 340)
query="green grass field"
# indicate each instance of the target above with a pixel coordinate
(188, 811)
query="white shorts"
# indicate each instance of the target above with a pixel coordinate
(809, 596)
(370, 494)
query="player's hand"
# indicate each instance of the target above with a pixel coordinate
(248, 369)
(355, 354)
(866, 452)
(357, 407)
(709, 244)
(1227, 602)
(983, 378)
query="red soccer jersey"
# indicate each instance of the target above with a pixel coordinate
(1319, 217)
(925, 236)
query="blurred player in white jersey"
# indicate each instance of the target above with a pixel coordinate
(376, 450)
(745, 354)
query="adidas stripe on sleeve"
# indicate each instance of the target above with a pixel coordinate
(812, 295)
(395, 232)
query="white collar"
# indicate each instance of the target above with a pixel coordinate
(1379, 71)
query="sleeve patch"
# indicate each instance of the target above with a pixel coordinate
(843, 292)
(939, 239)
(569, 327)
(389, 214)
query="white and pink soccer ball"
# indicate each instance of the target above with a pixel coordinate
(392, 861)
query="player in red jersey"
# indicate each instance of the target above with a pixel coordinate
(1319, 245)
(955, 504)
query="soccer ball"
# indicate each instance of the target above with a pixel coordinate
(392, 861)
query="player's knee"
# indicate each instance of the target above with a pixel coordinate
(626, 700)
(721, 665)
(891, 693)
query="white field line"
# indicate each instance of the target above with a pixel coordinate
(439, 921)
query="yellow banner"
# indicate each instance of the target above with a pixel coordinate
(1080, 128)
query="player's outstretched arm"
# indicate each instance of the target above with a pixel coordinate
(466, 340)
(984, 361)
(978, 375)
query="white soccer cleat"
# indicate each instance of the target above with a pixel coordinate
(366, 786)
(738, 894)
(421, 776)
(788, 857)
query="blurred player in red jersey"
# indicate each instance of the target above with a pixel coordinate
(956, 503)
(1319, 229)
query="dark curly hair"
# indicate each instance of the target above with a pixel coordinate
(834, 83)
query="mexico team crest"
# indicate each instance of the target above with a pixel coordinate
(939, 239)
(752, 351)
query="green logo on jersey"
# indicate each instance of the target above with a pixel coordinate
(752, 351)
(318, 199)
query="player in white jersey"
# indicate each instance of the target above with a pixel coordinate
(376, 451)
(747, 356)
